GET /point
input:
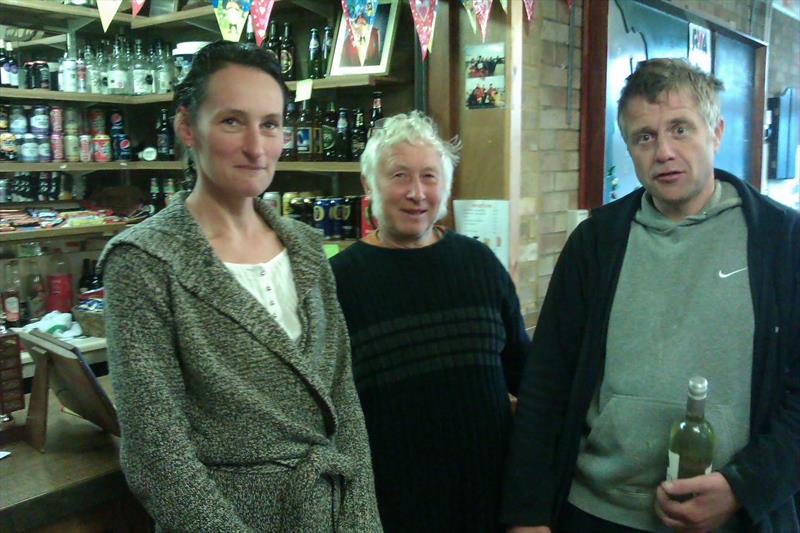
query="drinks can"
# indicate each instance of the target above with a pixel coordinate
(40, 120)
(44, 186)
(273, 199)
(8, 146)
(97, 121)
(102, 148)
(43, 142)
(349, 215)
(71, 149)
(17, 120)
(286, 199)
(29, 148)
(72, 120)
(85, 148)
(322, 217)
(366, 217)
(302, 210)
(57, 147)
(56, 119)
(335, 210)
(121, 147)
(117, 122)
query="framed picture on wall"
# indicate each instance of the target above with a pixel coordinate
(371, 50)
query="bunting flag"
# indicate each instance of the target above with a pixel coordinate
(424, 14)
(360, 17)
(482, 10)
(530, 9)
(231, 17)
(504, 5)
(107, 9)
(137, 6)
(260, 10)
(470, 14)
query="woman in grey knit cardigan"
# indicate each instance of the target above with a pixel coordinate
(229, 355)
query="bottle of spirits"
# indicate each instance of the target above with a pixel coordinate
(81, 74)
(314, 56)
(3, 73)
(103, 64)
(377, 110)
(343, 136)
(68, 72)
(163, 69)
(289, 152)
(10, 67)
(287, 53)
(118, 70)
(691, 440)
(358, 136)
(93, 75)
(164, 146)
(142, 71)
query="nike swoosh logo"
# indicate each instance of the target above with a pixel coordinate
(724, 275)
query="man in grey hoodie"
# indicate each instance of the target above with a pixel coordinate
(695, 274)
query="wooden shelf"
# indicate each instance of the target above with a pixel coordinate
(42, 14)
(318, 166)
(336, 82)
(44, 41)
(14, 166)
(174, 19)
(46, 94)
(35, 234)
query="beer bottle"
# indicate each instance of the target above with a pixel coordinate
(327, 44)
(317, 132)
(163, 137)
(329, 122)
(314, 56)
(156, 198)
(274, 40)
(169, 190)
(287, 53)
(342, 136)
(358, 136)
(377, 110)
(289, 152)
(249, 34)
(304, 135)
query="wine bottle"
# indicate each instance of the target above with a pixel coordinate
(691, 441)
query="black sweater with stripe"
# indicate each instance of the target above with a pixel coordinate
(438, 343)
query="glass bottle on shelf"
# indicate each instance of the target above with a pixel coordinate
(162, 68)
(3, 74)
(102, 59)
(11, 294)
(169, 190)
(164, 140)
(37, 295)
(249, 34)
(329, 133)
(59, 284)
(314, 55)
(142, 71)
(319, 115)
(86, 276)
(358, 136)
(289, 152)
(118, 71)
(81, 76)
(156, 198)
(342, 136)
(304, 133)
(274, 40)
(287, 53)
(96, 281)
(68, 71)
(10, 67)
(93, 75)
(327, 44)
(377, 110)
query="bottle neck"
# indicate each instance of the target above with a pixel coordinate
(695, 409)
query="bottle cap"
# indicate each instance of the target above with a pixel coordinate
(698, 388)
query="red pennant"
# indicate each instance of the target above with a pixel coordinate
(424, 14)
(137, 6)
(482, 9)
(530, 9)
(260, 11)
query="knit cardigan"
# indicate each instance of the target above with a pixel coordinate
(228, 425)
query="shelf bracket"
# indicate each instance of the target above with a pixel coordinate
(77, 24)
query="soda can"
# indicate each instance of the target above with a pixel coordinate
(273, 199)
(366, 217)
(322, 217)
(57, 147)
(43, 141)
(117, 122)
(351, 208)
(302, 209)
(40, 120)
(56, 119)
(336, 212)
(101, 146)
(286, 199)
(71, 148)
(121, 147)
(97, 121)
(72, 120)
(85, 148)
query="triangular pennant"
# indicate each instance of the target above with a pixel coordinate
(424, 14)
(504, 5)
(260, 11)
(470, 14)
(482, 10)
(569, 4)
(231, 17)
(137, 6)
(360, 17)
(530, 9)
(107, 9)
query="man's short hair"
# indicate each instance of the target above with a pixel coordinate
(657, 76)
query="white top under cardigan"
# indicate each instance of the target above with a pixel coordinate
(272, 285)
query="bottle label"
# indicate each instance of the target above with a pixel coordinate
(95, 82)
(162, 144)
(674, 467)
(288, 138)
(303, 140)
(164, 82)
(5, 75)
(117, 79)
(142, 81)
(287, 61)
(11, 305)
(328, 137)
(13, 75)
